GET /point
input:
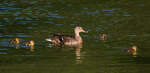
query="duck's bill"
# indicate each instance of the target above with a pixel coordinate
(86, 31)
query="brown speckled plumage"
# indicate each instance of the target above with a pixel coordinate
(68, 40)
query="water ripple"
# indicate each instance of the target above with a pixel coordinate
(23, 35)
(59, 25)
(126, 15)
(34, 2)
(17, 13)
(3, 49)
(93, 13)
(110, 10)
(3, 53)
(20, 18)
(19, 35)
(132, 35)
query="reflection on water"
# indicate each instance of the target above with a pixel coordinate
(134, 54)
(78, 54)
(31, 48)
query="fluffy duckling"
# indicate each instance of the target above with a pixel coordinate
(102, 36)
(30, 43)
(133, 49)
(15, 41)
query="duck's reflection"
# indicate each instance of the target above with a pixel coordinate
(78, 54)
(32, 48)
(134, 54)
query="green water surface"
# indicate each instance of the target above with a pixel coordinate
(126, 23)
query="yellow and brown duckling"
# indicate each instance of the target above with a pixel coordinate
(132, 49)
(15, 41)
(30, 43)
(102, 36)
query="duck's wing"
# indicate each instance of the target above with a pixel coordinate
(62, 35)
(68, 39)
(65, 38)
(61, 39)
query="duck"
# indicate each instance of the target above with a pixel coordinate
(30, 43)
(68, 40)
(15, 41)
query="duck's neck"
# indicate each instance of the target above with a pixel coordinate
(78, 37)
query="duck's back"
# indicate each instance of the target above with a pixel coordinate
(65, 38)
(62, 39)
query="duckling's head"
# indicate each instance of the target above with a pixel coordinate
(79, 29)
(31, 42)
(134, 48)
(17, 40)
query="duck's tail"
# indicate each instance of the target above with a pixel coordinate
(49, 39)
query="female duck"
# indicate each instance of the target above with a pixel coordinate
(68, 40)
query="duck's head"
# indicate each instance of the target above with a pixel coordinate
(79, 29)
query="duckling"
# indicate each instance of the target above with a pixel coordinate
(133, 49)
(102, 36)
(15, 41)
(68, 40)
(30, 43)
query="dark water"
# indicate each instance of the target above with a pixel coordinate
(125, 22)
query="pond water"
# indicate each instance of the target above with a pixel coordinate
(125, 22)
